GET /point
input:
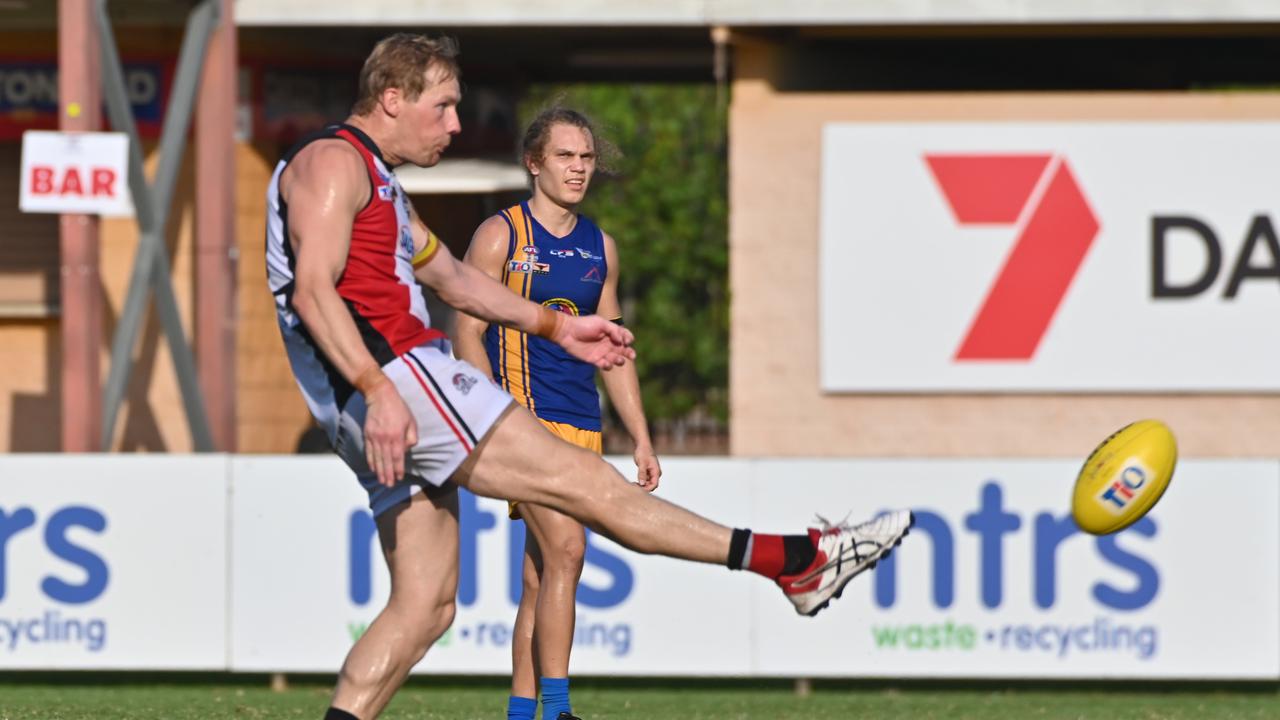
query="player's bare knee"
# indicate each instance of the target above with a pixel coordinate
(531, 585)
(566, 553)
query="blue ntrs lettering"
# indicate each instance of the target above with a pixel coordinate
(471, 522)
(944, 563)
(361, 530)
(616, 568)
(55, 538)
(11, 525)
(991, 523)
(96, 573)
(1050, 532)
(1145, 573)
(623, 579)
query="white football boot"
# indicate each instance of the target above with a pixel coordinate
(843, 552)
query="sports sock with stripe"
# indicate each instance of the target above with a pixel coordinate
(771, 555)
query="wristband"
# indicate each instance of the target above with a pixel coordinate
(369, 380)
(549, 323)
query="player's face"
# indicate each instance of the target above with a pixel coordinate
(568, 162)
(429, 123)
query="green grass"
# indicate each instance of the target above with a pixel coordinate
(108, 696)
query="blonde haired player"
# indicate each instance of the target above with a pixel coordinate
(547, 252)
(343, 251)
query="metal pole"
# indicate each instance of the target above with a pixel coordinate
(80, 286)
(152, 201)
(215, 307)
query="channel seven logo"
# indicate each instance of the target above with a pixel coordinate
(991, 522)
(473, 521)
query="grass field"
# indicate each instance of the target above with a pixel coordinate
(103, 697)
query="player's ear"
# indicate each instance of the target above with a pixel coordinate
(391, 100)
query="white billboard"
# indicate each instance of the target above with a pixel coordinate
(994, 582)
(324, 573)
(131, 562)
(75, 172)
(113, 562)
(1107, 256)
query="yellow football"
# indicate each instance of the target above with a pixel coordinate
(1124, 477)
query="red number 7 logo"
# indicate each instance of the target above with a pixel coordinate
(1060, 227)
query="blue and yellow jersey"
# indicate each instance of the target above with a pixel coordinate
(564, 274)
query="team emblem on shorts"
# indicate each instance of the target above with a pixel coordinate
(463, 382)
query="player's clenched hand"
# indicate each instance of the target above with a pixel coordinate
(593, 339)
(389, 431)
(648, 470)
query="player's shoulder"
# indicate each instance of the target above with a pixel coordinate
(328, 154)
(325, 165)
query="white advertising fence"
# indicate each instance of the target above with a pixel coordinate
(272, 564)
(1048, 256)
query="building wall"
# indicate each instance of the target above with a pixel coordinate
(776, 405)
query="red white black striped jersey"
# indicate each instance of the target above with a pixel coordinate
(377, 284)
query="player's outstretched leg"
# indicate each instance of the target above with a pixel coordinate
(521, 460)
(420, 544)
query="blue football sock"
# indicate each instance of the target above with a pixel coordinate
(555, 698)
(521, 708)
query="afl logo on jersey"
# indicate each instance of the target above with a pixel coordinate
(384, 193)
(564, 305)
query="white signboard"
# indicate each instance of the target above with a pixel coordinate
(133, 562)
(113, 562)
(305, 551)
(1101, 256)
(75, 172)
(996, 581)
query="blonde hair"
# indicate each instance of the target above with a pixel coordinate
(401, 61)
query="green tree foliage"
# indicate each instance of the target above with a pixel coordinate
(665, 202)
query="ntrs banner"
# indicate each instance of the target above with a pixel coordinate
(1040, 256)
(113, 562)
(996, 580)
(305, 548)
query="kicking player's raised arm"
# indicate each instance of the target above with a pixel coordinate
(487, 252)
(324, 188)
(464, 287)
